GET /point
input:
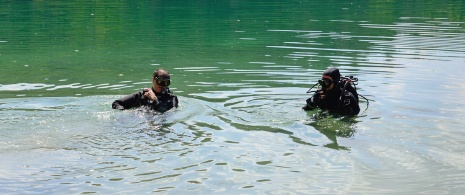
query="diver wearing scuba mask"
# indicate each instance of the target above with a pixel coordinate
(158, 97)
(336, 94)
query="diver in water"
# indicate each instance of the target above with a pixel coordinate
(335, 95)
(158, 98)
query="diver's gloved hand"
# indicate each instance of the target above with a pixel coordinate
(308, 106)
(149, 94)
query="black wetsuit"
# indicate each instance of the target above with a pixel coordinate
(166, 101)
(347, 104)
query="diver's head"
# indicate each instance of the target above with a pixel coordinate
(330, 78)
(161, 79)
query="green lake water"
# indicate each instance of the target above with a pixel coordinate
(241, 71)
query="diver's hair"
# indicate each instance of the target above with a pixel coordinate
(161, 71)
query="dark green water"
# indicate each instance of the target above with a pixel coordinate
(241, 70)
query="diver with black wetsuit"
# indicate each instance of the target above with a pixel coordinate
(335, 95)
(158, 98)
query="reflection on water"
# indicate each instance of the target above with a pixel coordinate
(333, 126)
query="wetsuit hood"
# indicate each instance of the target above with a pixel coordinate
(333, 73)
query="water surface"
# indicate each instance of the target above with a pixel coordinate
(241, 70)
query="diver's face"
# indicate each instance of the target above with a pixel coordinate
(331, 87)
(326, 82)
(159, 83)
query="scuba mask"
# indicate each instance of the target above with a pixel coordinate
(162, 81)
(325, 83)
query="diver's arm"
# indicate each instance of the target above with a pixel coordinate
(128, 101)
(313, 101)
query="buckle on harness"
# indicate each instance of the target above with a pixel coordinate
(346, 102)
